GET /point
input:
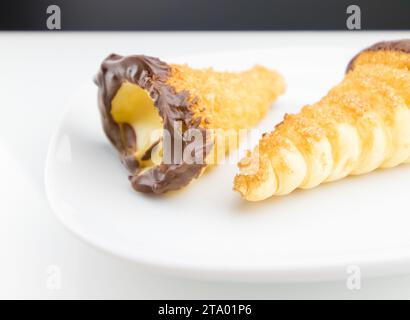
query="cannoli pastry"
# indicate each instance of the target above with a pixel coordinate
(362, 124)
(152, 113)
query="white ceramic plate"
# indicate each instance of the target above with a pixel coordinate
(207, 230)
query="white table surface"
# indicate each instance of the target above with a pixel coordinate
(39, 72)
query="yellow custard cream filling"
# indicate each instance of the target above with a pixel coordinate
(134, 106)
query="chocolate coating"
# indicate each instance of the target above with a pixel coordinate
(398, 45)
(150, 74)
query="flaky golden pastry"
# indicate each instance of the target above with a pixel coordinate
(362, 124)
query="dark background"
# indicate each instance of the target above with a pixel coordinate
(204, 14)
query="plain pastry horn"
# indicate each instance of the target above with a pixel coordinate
(362, 124)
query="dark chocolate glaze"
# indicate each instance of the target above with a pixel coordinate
(174, 107)
(398, 45)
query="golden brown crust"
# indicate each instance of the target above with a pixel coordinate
(368, 104)
(228, 100)
(396, 50)
(225, 102)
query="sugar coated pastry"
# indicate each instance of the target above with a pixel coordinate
(151, 110)
(362, 124)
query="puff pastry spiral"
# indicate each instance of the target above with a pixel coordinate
(362, 124)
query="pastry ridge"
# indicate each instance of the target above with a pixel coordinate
(362, 124)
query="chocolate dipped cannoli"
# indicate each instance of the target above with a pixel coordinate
(151, 110)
